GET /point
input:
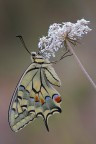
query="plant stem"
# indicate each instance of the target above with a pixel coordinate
(80, 64)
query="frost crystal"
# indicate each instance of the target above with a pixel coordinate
(59, 33)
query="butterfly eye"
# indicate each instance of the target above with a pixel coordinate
(33, 54)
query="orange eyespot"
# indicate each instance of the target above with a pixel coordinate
(57, 98)
(36, 98)
(42, 101)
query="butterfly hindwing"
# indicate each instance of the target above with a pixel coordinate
(52, 98)
(34, 96)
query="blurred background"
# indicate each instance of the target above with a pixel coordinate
(31, 18)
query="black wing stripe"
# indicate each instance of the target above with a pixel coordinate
(19, 97)
(51, 74)
(31, 69)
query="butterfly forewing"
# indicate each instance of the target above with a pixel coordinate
(34, 96)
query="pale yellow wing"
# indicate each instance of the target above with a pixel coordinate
(34, 96)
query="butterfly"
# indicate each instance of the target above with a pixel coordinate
(34, 95)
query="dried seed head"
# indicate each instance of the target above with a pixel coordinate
(58, 33)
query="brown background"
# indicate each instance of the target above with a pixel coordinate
(31, 18)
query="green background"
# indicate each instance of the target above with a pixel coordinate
(31, 18)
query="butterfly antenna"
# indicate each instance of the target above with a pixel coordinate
(22, 41)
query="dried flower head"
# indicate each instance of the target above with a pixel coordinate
(59, 33)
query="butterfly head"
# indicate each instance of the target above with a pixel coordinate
(33, 54)
(37, 57)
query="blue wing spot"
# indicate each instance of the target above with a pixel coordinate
(32, 99)
(47, 98)
(54, 96)
(21, 88)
